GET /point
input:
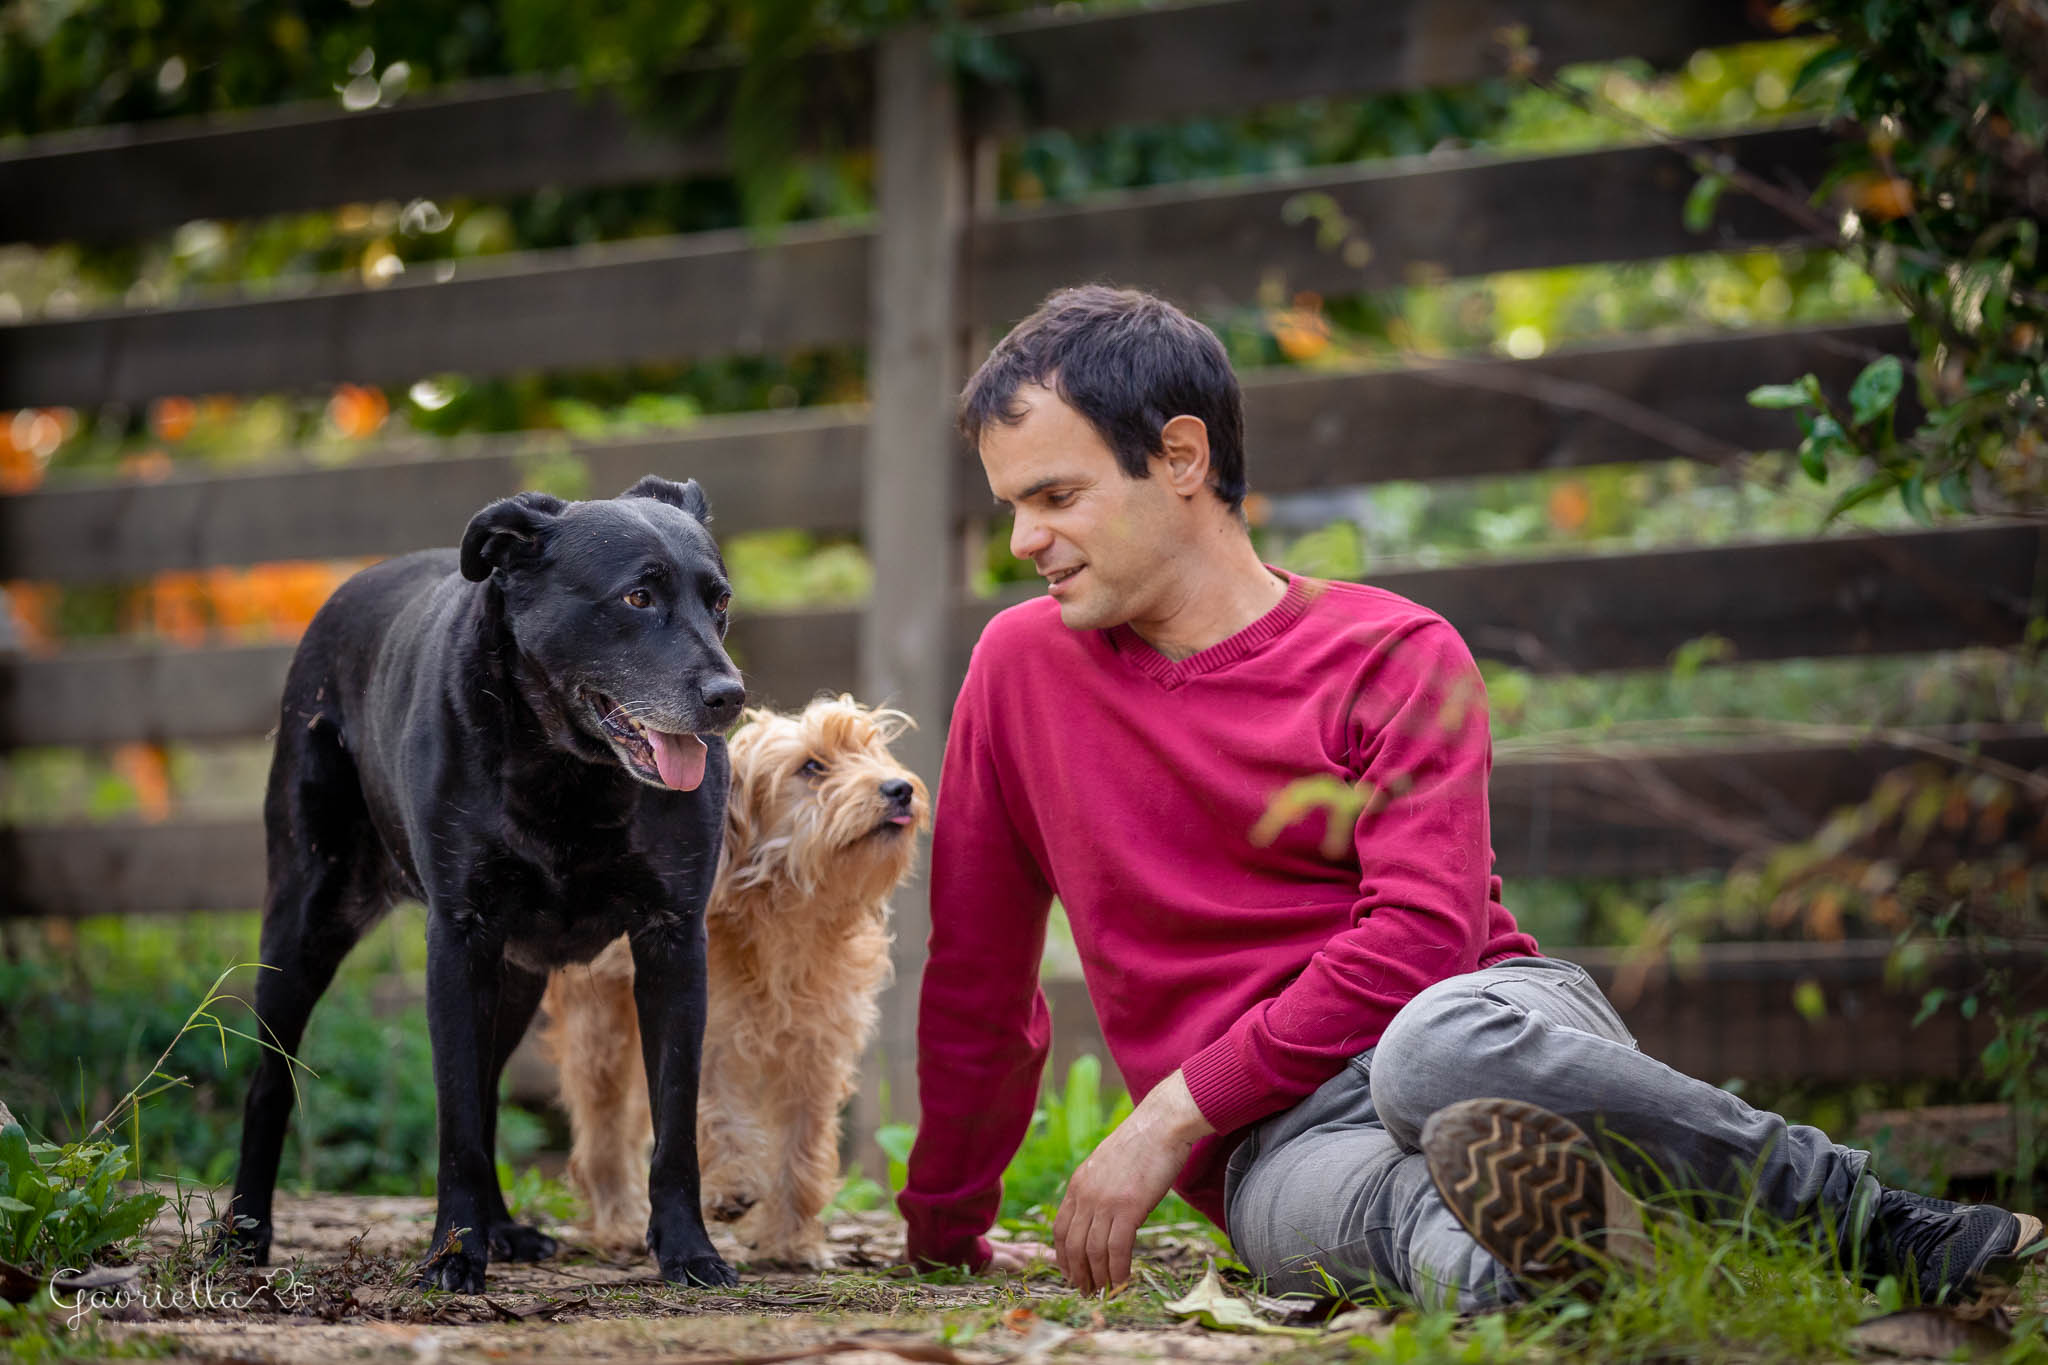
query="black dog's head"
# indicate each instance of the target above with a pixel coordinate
(621, 606)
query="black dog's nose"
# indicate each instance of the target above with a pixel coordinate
(897, 790)
(723, 697)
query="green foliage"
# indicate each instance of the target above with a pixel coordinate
(106, 1004)
(534, 1198)
(1941, 196)
(61, 1207)
(1069, 1123)
(1740, 1287)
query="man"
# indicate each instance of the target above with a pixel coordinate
(1294, 1001)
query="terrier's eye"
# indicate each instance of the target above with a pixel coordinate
(724, 601)
(812, 768)
(640, 597)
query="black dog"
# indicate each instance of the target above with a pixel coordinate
(533, 747)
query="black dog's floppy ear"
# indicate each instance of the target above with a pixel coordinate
(507, 531)
(686, 495)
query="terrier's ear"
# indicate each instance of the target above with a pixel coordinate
(509, 534)
(687, 495)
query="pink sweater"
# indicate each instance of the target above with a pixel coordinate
(1088, 765)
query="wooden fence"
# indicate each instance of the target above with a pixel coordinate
(937, 266)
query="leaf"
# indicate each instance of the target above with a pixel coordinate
(1862, 493)
(1876, 389)
(1699, 204)
(1820, 64)
(1930, 1334)
(27, 1225)
(1778, 396)
(1810, 1001)
(126, 1219)
(1913, 493)
(1955, 491)
(1813, 460)
(15, 1156)
(895, 1140)
(8, 1205)
(1209, 1304)
(1929, 1003)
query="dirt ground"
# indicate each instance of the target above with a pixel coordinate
(341, 1270)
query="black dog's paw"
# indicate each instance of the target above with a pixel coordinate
(243, 1241)
(710, 1272)
(455, 1267)
(519, 1242)
(729, 1207)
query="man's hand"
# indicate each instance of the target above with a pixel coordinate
(1120, 1184)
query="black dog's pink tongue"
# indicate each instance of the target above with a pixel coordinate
(680, 759)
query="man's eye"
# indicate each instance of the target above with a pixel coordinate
(640, 597)
(1059, 499)
(812, 768)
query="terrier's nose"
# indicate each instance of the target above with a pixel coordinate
(897, 790)
(723, 697)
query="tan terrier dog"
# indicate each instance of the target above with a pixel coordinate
(820, 827)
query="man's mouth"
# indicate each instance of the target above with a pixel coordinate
(675, 761)
(1057, 577)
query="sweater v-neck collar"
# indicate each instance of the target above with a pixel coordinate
(1172, 673)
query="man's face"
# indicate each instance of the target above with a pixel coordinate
(1103, 540)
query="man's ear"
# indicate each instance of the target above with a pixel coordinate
(686, 495)
(1184, 444)
(508, 533)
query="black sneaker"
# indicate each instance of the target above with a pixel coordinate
(1530, 1188)
(1944, 1252)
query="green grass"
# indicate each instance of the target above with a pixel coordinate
(1739, 1289)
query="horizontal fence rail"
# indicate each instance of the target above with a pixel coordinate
(798, 469)
(704, 294)
(1602, 403)
(506, 136)
(1626, 813)
(1214, 246)
(1868, 594)
(1890, 594)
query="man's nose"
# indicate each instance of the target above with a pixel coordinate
(1028, 538)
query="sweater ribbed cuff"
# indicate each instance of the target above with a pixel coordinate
(1224, 1089)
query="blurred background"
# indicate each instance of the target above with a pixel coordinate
(1524, 296)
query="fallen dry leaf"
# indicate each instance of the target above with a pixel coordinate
(1211, 1305)
(1934, 1333)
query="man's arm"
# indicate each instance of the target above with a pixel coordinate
(983, 1027)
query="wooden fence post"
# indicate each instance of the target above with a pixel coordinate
(913, 362)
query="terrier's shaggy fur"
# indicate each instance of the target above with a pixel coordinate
(820, 829)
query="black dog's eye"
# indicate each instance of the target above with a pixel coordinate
(812, 768)
(724, 601)
(639, 597)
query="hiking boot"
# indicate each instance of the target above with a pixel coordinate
(1944, 1252)
(1530, 1188)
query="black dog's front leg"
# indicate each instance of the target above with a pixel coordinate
(465, 964)
(668, 988)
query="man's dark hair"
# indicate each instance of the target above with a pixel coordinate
(1129, 363)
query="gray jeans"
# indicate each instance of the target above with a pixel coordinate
(1335, 1186)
